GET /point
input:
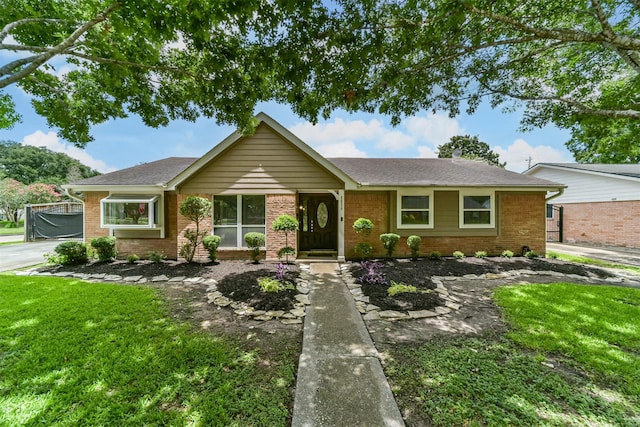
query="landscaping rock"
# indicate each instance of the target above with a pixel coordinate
(421, 314)
(304, 299)
(132, 278)
(176, 279)
(161, 278)
(391, 314)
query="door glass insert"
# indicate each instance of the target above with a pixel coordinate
(323, 215)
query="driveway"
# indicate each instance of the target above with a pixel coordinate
(25, 254)
(614, 254)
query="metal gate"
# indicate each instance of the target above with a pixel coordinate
(554, 223)
(53, 221)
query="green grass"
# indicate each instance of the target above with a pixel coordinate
(589, 334)
(19, 231)
(74, 353)
(591, 261)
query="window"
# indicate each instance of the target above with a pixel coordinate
(415, 209)
(235, 216)
(130, 211)
(549, 210)
(477, 209)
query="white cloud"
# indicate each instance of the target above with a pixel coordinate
(435, 129)
(340, 149)
(51, 141)
(519, 154)
(426, 152)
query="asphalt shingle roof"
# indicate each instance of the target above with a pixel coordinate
(631, 170)
(432, 172)
(153, 173)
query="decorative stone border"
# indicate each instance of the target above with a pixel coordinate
(373, 312)
(291, 317)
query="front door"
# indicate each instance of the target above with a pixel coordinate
(318, 216)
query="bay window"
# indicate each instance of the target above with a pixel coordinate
(236, 215)
(133, 211)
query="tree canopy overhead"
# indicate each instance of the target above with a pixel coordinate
(469, 147)
(160, 60)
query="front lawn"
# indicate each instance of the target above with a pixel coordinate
(572, 358)
(74, 353)
(18, 231)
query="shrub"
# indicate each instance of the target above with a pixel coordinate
(52, 258)
(156, 257)
(435, 255)
(363, 226)
(400, 288)
(532, 254)
(363, 249)
(507, 253)
(196, 209)
(287, 224)
(105, 247)
(458, 254)
(414, 244)
(131, 259)
(72, 253)
(211, 244)
(372, 274)
(389, 241)
(285, 252)
(268, 284)
(480, 254)
(254, 241)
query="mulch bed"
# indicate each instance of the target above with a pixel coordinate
(418, 273)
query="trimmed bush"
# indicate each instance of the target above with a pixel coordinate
(105, 247)
(286, 224)
(480, 254)
(156, 257)
(389, 241)
(363, 226)
(131, 259)
(363, 249)
(254, 241)
(72, 253)
(211, 244)
(435, 255)
(458, 254)
(285, 252)
(414, 244)
(196, 209)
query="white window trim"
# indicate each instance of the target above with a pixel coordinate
(492, 210)
(413, 192)
(239, 225)
(149, 199)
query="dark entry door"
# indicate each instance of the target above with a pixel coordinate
(318, 218)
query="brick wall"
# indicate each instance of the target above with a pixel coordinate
(92, 216)
(520, 219)
(279, 204)
(183, 223)
(603, 223)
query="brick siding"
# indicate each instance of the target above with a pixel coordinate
(602, 223)
(279, 204)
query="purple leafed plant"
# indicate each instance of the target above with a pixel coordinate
(281, 270)
(372, 273)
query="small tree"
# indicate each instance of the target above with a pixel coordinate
(389, 241)
(211, 244)
(363, 227)
(287, 224)
(414, 244)
(254, 242)
(196, 209)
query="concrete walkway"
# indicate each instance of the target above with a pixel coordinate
(340, 378)
(615, 254)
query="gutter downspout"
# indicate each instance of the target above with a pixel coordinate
(558, 194)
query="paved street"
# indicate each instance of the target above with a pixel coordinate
(613, 254)
(25, 254)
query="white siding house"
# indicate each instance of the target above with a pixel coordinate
(601, 203)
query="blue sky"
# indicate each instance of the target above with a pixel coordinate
(127, 142)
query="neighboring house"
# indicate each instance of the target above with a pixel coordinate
(452, 204)
(601, 204)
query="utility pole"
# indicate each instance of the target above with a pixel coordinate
(529, 160)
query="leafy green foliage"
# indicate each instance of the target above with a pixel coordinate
(507, 253)
(389, 242)
(29, 165)
(470, 148)
(196, 209)
(286, 224)
(254, 241)
(363, 249)
(532, 254)
(14, 195)
(131, 259)
(458, 254)
(480, 254)
(72, 253)
(414, 244)
(156, 257)
(400, 288)
(211, 244)
(105, 354)
(363, 226)
(435, 255)
(105, 247)
(268, 284)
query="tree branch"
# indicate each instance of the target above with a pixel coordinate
(60, 48)
(15, 24)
